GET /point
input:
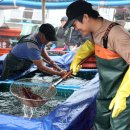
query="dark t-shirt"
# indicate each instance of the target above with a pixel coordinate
(69, 37)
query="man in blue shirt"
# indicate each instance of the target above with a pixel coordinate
(29, 50)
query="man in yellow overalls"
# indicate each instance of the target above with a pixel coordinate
(111, 45)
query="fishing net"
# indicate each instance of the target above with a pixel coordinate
(31, 92)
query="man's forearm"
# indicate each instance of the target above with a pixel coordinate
(49, 70)
(46, 56)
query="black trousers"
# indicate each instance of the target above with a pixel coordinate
(13, 65)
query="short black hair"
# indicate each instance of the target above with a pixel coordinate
(49, 31)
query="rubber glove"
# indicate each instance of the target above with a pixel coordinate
(118, 104)
(83, 52)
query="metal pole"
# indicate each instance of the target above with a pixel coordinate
(43, 10)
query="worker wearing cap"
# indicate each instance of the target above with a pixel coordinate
(111, 45)
(60, 33)
(29, 50)
(68, 38)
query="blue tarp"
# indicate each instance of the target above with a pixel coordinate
(76, 113)
(18, 75)
(60, 4)
(65, 60)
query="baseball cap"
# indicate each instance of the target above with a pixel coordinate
(76, 9)
(49, 31)
(65, 18)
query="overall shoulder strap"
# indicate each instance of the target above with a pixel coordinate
(105, 36)
(23, 37)
(24, 40)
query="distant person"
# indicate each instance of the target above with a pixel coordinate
(122, 13)
(60, 33)
(68, 38)
(74, 38)
(29, 50)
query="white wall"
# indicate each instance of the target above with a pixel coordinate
(1, 17)
(107, 13)
(54, 16)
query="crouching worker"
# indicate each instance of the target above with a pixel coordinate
(29, 50)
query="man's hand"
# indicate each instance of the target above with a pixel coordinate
(63, 72)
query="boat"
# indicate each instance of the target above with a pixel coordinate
(4, 51)
(74, 113)
(6, 36)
